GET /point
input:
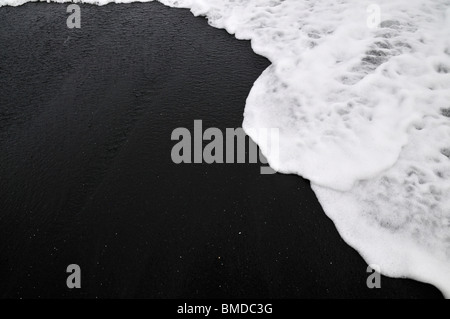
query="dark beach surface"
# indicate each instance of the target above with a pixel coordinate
(86, 175)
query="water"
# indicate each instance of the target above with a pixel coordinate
(361, 112)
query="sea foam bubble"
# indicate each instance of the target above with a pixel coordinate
(362, 112)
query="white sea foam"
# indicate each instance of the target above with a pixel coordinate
(364, 113)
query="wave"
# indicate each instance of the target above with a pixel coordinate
(363, 112)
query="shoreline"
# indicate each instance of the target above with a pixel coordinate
(87, 175)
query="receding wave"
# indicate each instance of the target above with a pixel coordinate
(364, 113)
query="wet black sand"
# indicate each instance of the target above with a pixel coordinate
(86, 175)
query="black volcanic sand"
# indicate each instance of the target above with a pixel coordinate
(86, 176)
